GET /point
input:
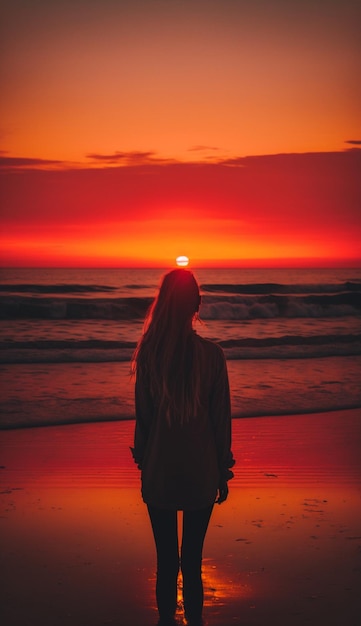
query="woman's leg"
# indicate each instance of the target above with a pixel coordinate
(195, 524)
(164, 525)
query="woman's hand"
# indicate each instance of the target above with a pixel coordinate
(222, 493)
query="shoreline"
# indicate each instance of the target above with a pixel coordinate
(77, 393)
(130, 418)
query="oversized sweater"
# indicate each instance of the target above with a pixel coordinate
(182, 465)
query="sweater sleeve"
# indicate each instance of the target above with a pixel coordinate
(220, 407)
(143, 418)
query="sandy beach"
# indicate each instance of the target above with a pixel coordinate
(285, 549)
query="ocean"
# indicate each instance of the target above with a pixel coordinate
(292, 339)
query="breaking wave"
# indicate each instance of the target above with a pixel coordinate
(277, 288)
(271, 306)
(220, 307)
(15, 307)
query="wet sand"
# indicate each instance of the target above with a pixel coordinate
(285, 549)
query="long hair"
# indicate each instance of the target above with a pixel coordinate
(167, 354)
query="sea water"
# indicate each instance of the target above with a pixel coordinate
(292, 339)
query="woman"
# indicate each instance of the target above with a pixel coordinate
(182, 441)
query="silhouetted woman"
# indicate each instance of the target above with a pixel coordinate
(182, 441)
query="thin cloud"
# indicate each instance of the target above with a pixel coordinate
(125, 158)
(235, 162)
(202, 148)
(20, 162)
(354, 142)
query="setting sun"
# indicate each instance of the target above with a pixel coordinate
(182, 261)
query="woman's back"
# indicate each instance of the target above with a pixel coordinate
(182, 460)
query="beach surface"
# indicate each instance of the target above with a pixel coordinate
(285, 549)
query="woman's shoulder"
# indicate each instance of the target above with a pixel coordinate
(209, 347)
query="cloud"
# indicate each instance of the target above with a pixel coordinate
(26, 162)
(354, 142)
(124, 158)
(202, 148)
(297, 187)
(235, 162)
(301, 204)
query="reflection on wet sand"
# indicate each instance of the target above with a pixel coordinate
(284, 550)
(221, 590)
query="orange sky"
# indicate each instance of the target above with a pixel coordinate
(126, 126)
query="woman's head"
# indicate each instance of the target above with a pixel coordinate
(178, 299)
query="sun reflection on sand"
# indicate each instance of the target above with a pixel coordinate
(220, 589)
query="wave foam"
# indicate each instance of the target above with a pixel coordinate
(96, 351)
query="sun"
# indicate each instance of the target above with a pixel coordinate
(182, 261)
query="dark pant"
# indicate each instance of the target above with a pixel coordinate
(165, 530)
